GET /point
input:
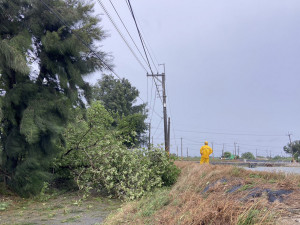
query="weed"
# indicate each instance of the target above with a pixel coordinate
(51, 215)
(71, 219)
(249, 218)
(255, 175)
(4, 206)
(236, 171)
(272, 181)
(154, 202)
(246, 187)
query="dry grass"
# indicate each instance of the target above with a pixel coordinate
(188, 203)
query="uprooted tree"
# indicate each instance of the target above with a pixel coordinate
(42, 64)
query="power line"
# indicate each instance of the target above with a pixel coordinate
(157, 126)
(120, 33)
(140, 35)
(59, 17)
(242, 134)
(144, 40)
(127, 31)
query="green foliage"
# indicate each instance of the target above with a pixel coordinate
(249, 218)
(293, 149)
(4, 205)
(153, 202)
(119, 98)
(248, 155)
(36, 106)
(227, 155)
(96, 158)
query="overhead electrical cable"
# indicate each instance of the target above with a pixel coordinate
(127, 31)
(120, 33)
(157, 126)
(144, 40)
(140, 35)
(59, 17)
(258, 135)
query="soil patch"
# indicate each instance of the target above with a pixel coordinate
(64, 209)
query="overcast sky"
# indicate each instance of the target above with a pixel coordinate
(232, 69)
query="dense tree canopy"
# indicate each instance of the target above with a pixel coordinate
(42, 64)
(227, 154)
(293, 149)
(248, 155)
(119, 97)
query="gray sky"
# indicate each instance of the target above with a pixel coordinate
(232, 69)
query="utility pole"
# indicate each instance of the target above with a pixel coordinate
(187, 152)
(238, 150)
(149, 144)
(223, 151)
(166, 129)
(290, 137)
(234, 149)
(291, 145)
(169, 145)
(181, 148)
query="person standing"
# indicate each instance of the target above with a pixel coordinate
(205, 151)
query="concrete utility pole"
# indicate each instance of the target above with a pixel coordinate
(166, 126)
(181, 148)
(234, 149)
(238, 150)
(291, 145)
(223, 151)
(169, 141)
(149, 144)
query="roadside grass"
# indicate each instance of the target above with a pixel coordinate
(202, 196)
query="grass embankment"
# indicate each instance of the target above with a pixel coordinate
(217, 195)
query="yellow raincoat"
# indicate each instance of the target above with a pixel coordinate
(205, 151)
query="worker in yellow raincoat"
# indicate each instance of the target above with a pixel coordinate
(205, 151)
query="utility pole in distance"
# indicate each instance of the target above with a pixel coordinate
(166, 130)
(181, 148)
(291, 145)
(169, 141)
(149, 144)
(234, 149)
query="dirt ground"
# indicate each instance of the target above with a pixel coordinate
(63, 209)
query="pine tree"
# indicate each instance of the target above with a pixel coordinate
(37, 104)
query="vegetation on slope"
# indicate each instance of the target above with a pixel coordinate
(216, 195)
